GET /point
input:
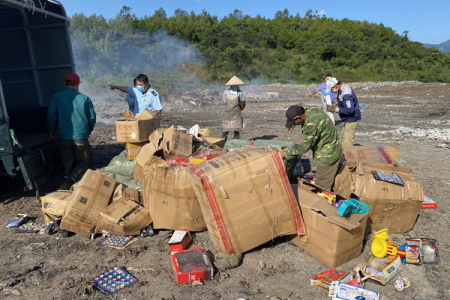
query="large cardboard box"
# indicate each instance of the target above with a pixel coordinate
(392, 206)
(133, 149)
(371, 154)
(137, 129)
(177, 142)
(123, 192)
(331, 239)
(123, 217)
(171, 199)
(246, 199)
(91, 195)
(54, 204)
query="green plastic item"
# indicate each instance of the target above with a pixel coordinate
(271, 145)
(120, 165)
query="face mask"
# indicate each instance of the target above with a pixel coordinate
(140, 88)
(335, 91)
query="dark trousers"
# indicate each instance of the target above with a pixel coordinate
(235, 136)
(76, 156)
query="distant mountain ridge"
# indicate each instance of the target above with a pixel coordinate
(444, 47)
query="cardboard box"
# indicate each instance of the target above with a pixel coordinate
(391, 206)
(246, 199)
(371, 154)
(329, 238)
(386, 268)
(171, 199)
(55, 204)
(133, 149)
(192, 265)
(179, 241)
(123, 217)
(90, 197)
(138, 129)
(177, 142)
(123, 192)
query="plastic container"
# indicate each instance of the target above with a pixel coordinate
(364, 106)
(402, 283)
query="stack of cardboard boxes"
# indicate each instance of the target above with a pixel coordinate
(243, 198)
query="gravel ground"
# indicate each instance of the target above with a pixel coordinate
(411, 116)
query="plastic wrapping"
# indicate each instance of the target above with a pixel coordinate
(121, 165)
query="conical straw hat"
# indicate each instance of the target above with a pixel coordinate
(235, 81)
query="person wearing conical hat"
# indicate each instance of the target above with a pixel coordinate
(234, 100)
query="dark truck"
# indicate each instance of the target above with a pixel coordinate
(35, 55)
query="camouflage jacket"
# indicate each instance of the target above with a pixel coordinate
(320, 136)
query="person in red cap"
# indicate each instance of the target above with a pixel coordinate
(71, 118)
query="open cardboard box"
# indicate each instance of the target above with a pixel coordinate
(138, 128)
(392, 206)
(54, 204)
(123, 217)
(331, 239)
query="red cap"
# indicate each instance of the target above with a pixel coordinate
(72, 79)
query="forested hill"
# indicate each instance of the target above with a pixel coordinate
(187, 49)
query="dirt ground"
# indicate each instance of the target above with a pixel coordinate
(414, 117)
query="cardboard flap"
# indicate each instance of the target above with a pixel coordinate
(156, 136)
(127, 115)
(146, 115)
(310, 200)
(343, 184)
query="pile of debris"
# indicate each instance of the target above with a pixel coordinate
(241, 193)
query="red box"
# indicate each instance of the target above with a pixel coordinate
(192, 265)
(428, 203)
(179, 241)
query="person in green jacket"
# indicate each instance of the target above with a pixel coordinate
(71, 118)
(320, 136)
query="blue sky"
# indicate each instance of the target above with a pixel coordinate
(426, 21)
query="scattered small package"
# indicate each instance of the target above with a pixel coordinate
(421, 250)
(428, 203)
(19, 220)
(340, 290)
(113, 280)
(118, 241)
(192, 265)
(179, 241)
(30, 227)
(381, 270)
(323, 280)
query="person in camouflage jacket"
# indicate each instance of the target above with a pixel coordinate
(320, 136)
